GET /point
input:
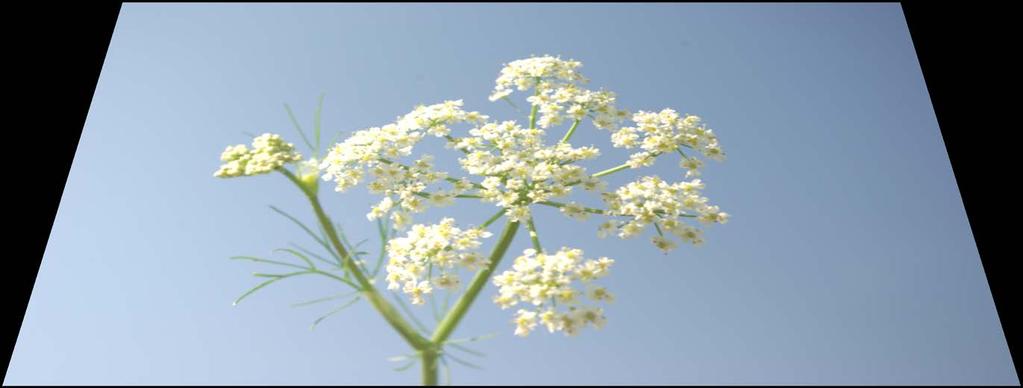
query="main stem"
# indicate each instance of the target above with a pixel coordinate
(428, 349)
(450, 321)
(429, 366)
(457, 312)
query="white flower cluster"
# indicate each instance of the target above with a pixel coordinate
(558, 95)
(428, 256)
(572, 102)
(519, 169)
(651, 200)
(346, 161)
(663, 132)
(268, 152)
(545, 282)
(404, 186)
(377, 149)
(525, 74)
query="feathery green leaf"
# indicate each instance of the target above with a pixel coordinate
(297, 254)
(335, 311)
(463, 362)
(261, 260)
(298, 127)
(467, 350)
(254, 289)
(325, 299)
(316, 123)
(409, 313)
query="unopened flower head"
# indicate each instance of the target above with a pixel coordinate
(268, 153)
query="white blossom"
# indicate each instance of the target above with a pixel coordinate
(550, 285)
(651, 200)
(514, 167)
(429, 254)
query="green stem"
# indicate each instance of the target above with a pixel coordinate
(492, 218)
(533, 237)
(532, 116)
(561, 205)
(571, 131)
(390, 314)
(450, 321)
(429, 367)
(532, 112)
(612, 170)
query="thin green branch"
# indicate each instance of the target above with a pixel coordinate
(493, 218)
(533, 236)
(384, 238)
(571, 131)
(612, 170)
(450, 321)
(562, 204)
(536, 107)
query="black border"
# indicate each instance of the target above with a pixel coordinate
(62, 47)
(963, 53)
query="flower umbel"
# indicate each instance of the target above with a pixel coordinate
(555, 286)
(514, 166)
(429, 255)
(651, 200)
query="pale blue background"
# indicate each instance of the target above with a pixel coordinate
(849, 259)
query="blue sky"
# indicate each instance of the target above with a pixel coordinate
(849, 259)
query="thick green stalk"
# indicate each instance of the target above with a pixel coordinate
(450, 321)
(429, 367)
